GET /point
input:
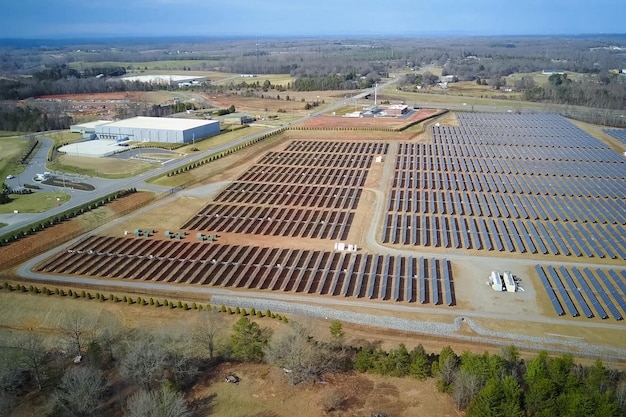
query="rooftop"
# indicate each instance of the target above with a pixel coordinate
(169, 123)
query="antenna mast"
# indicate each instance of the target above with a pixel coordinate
(376, 95)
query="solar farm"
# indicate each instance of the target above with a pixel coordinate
(416, 217)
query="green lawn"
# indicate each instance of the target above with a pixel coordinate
(220, 139)
(11, 150)
(63, 137)
(111, 168)
(37, 202)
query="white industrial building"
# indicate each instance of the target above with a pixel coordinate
(157, 129)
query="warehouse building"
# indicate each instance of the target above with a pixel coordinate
(158, 129)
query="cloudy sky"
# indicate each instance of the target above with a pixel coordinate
(121, 18)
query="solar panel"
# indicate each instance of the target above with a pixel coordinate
(553, 233)
(535, 235)
(562, 291)
(522, 230)
(619, 298)
(410, 279)
(385, 277)
(422, 280)
(550, 291)
(485, 234)
(505, 236)
(372, 281)
(590, 295)
(513, 231)
(397, 281)
(359, 283)
(434, 278)
(569, 240)
(447, 282)
(576, 291)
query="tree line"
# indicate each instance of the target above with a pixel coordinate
(96, 368)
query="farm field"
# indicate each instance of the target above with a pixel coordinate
(11, 149)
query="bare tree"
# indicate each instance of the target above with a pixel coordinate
(77, 331)
(466, 386)
(302, 358)
(163, 403)
(14, 382)
(209, 327)
(144, 362)
(34, 355)
(81, 392)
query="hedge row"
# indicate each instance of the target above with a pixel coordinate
(180, 305)
(26, 156)
(222, 154)
(9, 238)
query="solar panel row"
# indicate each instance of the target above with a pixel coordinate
(570, 283)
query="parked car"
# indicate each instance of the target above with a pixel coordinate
(10, 176)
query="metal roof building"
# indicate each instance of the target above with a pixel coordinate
(158, 129)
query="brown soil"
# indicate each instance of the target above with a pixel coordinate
(379, 123)
(128, 95)
(265, 390)
(36, 244)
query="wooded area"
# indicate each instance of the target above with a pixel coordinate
(85, 369)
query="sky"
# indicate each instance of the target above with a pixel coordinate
(61, 19)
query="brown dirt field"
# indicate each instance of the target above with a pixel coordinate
(264, 390)
(33, 245)
(122, 95)
(322, 122)
(242, 103)
(256, 105)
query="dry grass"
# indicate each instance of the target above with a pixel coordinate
(101, 167)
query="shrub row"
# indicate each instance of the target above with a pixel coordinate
(21, 191)
(8, 238)
(180, 305)
(222, 154)
(28, 153)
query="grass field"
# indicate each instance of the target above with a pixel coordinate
(11, 150)
(34, 203)
(275, 79)
(64, 137)
(112, 168)
(440, 98)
